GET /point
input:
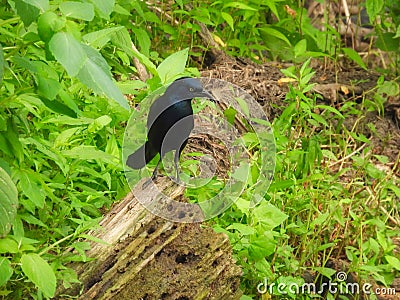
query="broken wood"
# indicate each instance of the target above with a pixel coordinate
(147, 257)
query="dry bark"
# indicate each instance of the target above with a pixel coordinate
(147, 257)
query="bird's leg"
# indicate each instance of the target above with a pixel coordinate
(155, 172)
(153, 176)
(176, 161)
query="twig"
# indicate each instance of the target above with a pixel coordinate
(348, 156)
(141, 69)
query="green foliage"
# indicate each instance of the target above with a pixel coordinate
(63, 116)
(8, 202)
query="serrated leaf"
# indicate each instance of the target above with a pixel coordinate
(77, 10)
(40, 273)
(354, 56)
(8, 202)
(173, 65)
(5, 270)
(68, 52)
(97, 39)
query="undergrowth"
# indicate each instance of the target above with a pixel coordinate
(63, 116)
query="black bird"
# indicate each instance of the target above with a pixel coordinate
(169, 124)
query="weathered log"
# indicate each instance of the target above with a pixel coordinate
(148, 257)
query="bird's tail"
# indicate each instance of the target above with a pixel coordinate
(141, 156)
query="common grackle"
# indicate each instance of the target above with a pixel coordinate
(169, 123)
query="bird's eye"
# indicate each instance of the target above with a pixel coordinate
(191, 89)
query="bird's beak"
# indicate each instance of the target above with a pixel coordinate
(206, 94)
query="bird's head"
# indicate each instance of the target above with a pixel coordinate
(189, 88)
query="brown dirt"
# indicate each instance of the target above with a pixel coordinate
(263, 82)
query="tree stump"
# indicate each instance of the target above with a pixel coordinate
(148, 257)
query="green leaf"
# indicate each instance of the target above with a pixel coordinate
(8, 245)
(397, 32)
(300, 48)
(131, 86)
(393, 261)
(32, 189)
(173, 65)
(43, 5)
(5, 270)
(241, 173)
(387, 42)
(2, 64)
(228, 19)
(239, 5)
(97, 39)
(68, 52)
(8, 202)
(244, 106)
(262, 245)
(374, 7)
(59, 107)
(52, 153)
(95, 56)
(48, 87)
(94, 75)
(272, 7)
(27, 12)
(90, 153)
(122, 40)
(99, 123)
(143, 40)
(354, 56)
(103, 7)
(269, 215)
(244, 229)
(275, 33)
(77, 10)
(40, 273)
